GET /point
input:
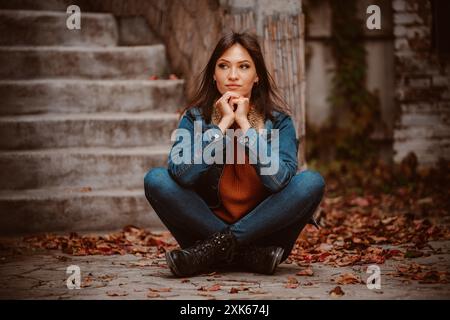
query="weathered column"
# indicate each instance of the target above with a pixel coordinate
(279, 26)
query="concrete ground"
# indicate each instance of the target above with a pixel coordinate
(42, 274)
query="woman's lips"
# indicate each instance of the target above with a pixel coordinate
(231, 86)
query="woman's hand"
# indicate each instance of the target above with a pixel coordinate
(226, 110)
(241, 113)
(224, 105)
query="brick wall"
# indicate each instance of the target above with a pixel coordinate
(422, 83)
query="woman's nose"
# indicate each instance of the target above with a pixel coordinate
(233, 74)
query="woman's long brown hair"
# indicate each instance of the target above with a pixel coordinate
(265, 95)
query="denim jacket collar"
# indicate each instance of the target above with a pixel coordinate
(268, 124)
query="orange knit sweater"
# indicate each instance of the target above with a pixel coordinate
(240, 189)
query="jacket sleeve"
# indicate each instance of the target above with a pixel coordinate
(185, 162)
(274, 155)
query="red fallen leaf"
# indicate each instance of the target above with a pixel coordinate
(234, 290)
(433, 230)
(153, 77)
(205, 294)
(373, 258)
(215, 287)
(348, 278)
(348, 260)
(307, 258)
(393, 253)
(292, 283)
(360, 202)
(116, 293)
(323, 256)
(377, 239)
(160, 289)
(359, 240)
(154, 242)
(80, 252)
(139, 249)
(87, 282)
(433, 276)
(337, 292)
(107, 277)
(152, 294)
(307, 272)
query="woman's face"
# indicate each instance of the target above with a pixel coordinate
(235, 67)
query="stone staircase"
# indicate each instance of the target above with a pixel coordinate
(80, 121)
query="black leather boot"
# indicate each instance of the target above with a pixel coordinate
(220, 247)
(258, 259)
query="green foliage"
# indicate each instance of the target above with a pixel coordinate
(355, 110)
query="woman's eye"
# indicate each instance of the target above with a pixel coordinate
(222, 65)
(245, 66)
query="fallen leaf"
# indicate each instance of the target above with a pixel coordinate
(347, 278)
(152, 294)
(292, 283)
(360, 202)
(160, 289)
(337, 292)
(234, 290)
(116, 293)
(307, 272)
(215, 287)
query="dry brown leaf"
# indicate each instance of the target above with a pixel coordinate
(118, 293)
(337, 292)
(160, 289)
(152, 294)
(347, 278)
(215, 287)
(307, 272)
(292, 283)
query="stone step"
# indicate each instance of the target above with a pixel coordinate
(60, 5)
(86, 130)
(98, 168)
(86, 96)
(48, 28)
(72, 209)
(83, 62)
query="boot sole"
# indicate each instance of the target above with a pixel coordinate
(278, 255)
(172, 265)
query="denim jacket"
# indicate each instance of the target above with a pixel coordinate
(204, 177)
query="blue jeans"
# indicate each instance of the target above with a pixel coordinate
(276, 221)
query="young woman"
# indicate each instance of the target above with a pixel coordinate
(230, 213)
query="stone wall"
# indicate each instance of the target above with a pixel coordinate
(422, 85)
